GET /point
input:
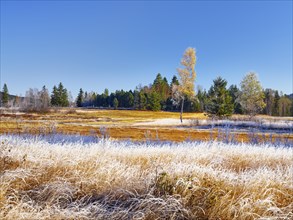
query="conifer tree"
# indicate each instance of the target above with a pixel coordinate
(54, 97)
(174, 81)
(59, 96)
(80, 98)
(5, 96)
(234, 92)
(62, 96)
(142, 100)
(161, 87)
(129, 99)
(154, 101)
(219, 100)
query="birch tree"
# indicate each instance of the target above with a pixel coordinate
(187, 75)
(251, 94)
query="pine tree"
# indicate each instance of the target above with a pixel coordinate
(80, 98)
(166, 91)
(154, 101)
(5, 96)
(161, 87)
(157, 82)
(54, 97)
(59, 96)
(62, 96)
(174, 81)
(142, 100)
(220, 102)
(128, 99)
(234, 92)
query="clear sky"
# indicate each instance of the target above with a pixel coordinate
(118, 45)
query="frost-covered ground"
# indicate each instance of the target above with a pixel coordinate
(261, 123)
(69, 177)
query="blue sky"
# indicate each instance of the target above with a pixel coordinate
(118, 45)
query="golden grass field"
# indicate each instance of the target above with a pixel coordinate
(120, 124)
(54, 174)
(123, 180)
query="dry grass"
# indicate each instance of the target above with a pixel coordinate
(121, 124)
(115, 115)
(119, 180)
(134, 133)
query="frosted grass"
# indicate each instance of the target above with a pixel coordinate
(72, 177)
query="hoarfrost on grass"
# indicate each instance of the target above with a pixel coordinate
(62, 176)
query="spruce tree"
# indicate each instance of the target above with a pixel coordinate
(154, 101)
(142, 100)
(129, 99)
(5, 96)
(59, 96)
(174, 81)
(62, 96)
(80, 98)
(161, 87)
(158, 86)
(157, 82)
(220, 102)
(234, 92)
(54, 97)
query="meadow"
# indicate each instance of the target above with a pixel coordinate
(103, 179)
(146, 125)
(107, 164)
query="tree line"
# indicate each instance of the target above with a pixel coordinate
(161, 95)
(218, 100)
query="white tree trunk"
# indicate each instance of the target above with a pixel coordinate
(181, 112)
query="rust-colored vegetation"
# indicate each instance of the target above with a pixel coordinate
(125, 124)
